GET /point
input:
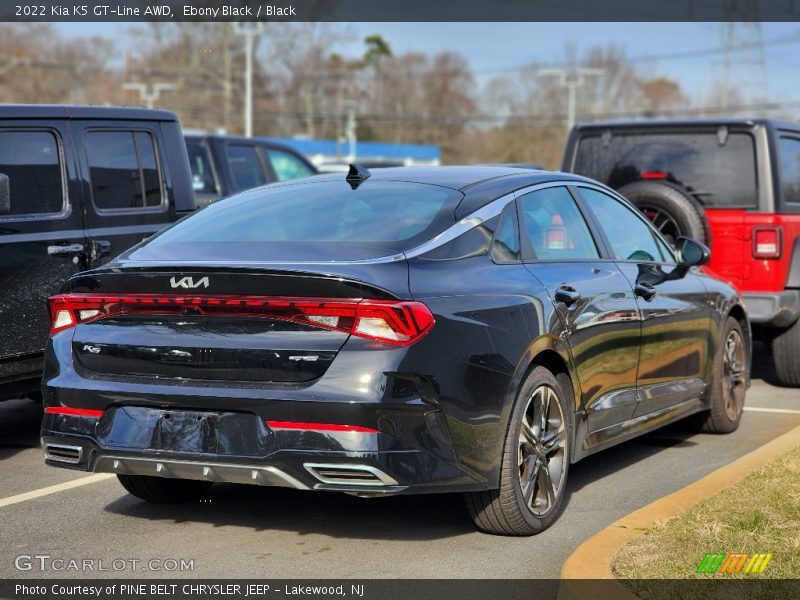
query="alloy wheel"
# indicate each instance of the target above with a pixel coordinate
(733, 379)
(542, 450)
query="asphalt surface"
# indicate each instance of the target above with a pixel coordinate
(244, 531)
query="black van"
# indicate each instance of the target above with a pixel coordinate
(78, 185)
(225, 164)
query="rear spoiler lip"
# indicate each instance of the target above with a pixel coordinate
(91, 281)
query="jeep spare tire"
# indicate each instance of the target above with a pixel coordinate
(672, 210)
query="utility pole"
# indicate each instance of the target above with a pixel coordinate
(147, 94)
(571, 79)
(249, 31)
(350, 130)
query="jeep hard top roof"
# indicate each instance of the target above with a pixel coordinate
(687, 123)
(62, 111)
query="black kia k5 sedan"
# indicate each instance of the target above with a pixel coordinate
(451, 329)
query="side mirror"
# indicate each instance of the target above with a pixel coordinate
(5, 194)
(692, 253)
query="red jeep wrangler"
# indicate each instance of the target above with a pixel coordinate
(732, 183)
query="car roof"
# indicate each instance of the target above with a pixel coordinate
(66, 111)
(480, 184)
(458, 178)
(678, 123)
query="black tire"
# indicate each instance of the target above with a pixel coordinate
(728, 383)
(785, 353)
(672, 210)
(161, 490)
(505, 511)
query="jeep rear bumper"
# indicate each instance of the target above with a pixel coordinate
(773, 309)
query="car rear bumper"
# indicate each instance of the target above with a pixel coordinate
(361, 473)
(398, 445)
(773, 309)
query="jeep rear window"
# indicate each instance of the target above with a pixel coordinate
(718, 174)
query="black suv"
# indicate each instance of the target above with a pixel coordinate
(78, 185)
(225, 164)
(733, 183)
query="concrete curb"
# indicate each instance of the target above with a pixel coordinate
(592, 559)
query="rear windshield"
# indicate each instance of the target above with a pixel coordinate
(718, 174)
(316, 221)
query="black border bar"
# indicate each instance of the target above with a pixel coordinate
(397, 10)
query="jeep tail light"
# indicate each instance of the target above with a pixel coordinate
(396, 322)
(767, 241)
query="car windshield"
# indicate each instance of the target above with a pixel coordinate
(719, 173)
(316, 221)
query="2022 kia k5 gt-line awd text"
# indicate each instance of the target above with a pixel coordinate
(449, 329)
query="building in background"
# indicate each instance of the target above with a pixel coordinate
(333, 155)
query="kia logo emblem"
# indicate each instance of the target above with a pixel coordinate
(189, 283)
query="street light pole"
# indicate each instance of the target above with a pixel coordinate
(572, 79)
(249, 31)
(148, 95)
(350, 130)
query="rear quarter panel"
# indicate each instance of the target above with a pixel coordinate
(491, 321)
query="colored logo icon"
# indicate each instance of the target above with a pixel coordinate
(746, 563)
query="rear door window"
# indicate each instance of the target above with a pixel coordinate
(287, 166)
(124, 170)
(555, 226)
(32, 163)
(245, 166)
(505, 246)
(718, 168)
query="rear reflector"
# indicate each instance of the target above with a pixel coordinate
(654, 175)
(75, 412)
(767, 241)
(319, 426)
(396, 322)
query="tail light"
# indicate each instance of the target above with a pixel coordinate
(767, 241)
(654, 175)
(390, 321)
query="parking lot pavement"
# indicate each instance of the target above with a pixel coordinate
(242, 531)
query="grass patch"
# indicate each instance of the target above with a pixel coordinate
(760, 514)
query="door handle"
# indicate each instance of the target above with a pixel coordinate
(68, 249)
(567, 295)
(645, 290)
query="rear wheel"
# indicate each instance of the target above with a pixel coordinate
(673, 212)
(729, 382)
(161, 490)
(535, 460)
(785, 353)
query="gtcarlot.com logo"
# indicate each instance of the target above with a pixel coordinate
(46, 562)
(742, 562)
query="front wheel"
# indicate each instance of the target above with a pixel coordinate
(535, 460)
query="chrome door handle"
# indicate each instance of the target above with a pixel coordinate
(68, 249)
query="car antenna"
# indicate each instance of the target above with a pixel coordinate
(357, 175)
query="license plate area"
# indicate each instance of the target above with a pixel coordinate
(187, 431)
(166, 431)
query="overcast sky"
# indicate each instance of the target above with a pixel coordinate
(493, 47)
